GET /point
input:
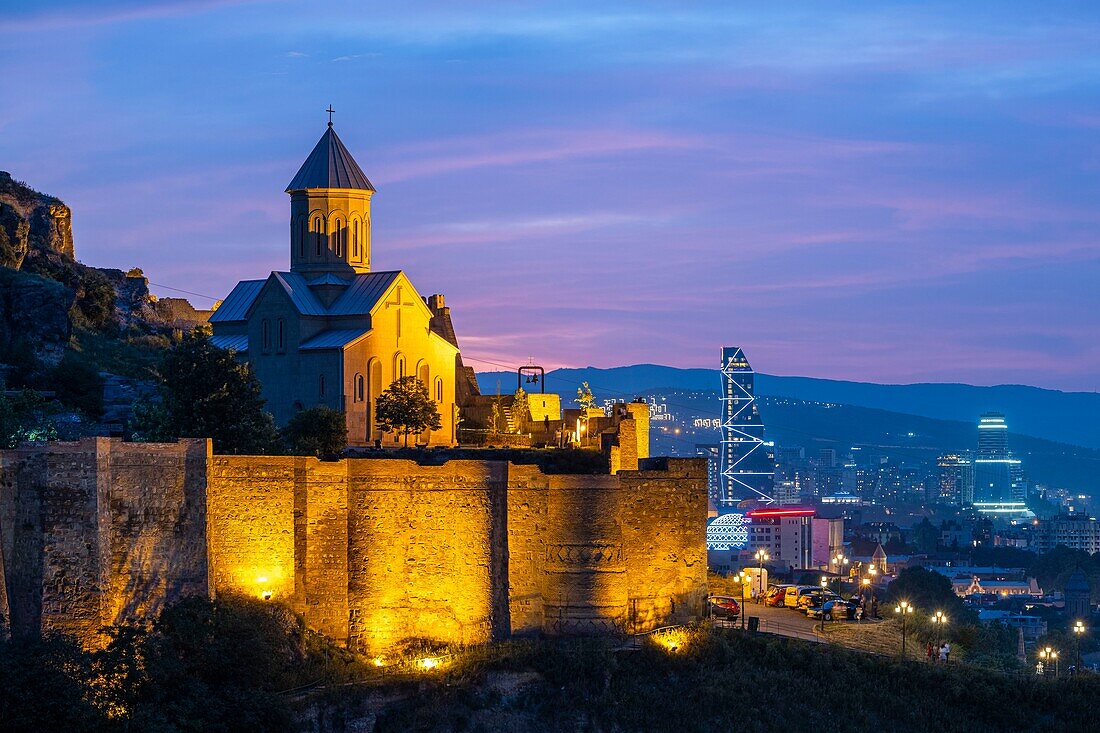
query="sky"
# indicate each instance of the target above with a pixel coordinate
(882, 192)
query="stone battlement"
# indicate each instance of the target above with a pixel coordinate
(370, 551)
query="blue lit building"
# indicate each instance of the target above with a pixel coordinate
(747, 467)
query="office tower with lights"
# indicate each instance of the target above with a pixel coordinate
(747, 465)
(956, 479)
(997, 474)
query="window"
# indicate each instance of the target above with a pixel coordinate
(280, 335)
(265, 329)
(398, 367)
(321, 385)
(358, 387)
(318, 233)
(355, 239)
(338, 236)
(439, 390)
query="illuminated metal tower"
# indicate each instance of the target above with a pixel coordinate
(747, 468)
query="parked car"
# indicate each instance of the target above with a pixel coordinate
(790, 599)
(835, 609)
(813, 597)
(775, 595)
(723, 607)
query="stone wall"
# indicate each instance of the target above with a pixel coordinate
(372, 552)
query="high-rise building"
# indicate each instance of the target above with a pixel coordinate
(747, 466)
(997, 474)
(1075, 531)
(956, 484)
(712, 452)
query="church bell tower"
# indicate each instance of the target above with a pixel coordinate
(330, 212)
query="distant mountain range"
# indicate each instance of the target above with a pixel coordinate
(1062, 417)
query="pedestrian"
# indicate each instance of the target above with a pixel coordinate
(944, 652)
(928, 651)
(874, 608)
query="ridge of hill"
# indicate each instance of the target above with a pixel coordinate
(1065, 417)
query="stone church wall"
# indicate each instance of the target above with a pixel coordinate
(371, 551)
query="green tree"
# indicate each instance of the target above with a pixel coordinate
(406, 407)
(319, 431)
(206, 393)
(585, 398)
(926, 536)
(928, 591)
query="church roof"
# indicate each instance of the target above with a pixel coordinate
(236, 305)
(300, 294)
(236, 342)
(330, 165)
(363, 294)
(333, 339)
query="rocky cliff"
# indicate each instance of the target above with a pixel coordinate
(32, 225)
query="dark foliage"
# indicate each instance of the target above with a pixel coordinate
(206, 393)
(77, 383)
(319, 431)
(26, 415)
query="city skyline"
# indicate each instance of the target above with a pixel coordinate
(647, 170)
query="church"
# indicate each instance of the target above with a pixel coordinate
(332, 332)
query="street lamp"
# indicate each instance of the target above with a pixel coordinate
(824, 585)
(903, 609)
(761, 556)
(744, 578)
(840, 561)
(1048, 655)
(1078, 631)
(940, 620)
(872, 571)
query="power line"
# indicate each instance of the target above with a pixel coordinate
(179, 290)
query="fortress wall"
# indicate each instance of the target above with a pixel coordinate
(250, 518)
(156, 522)
(663, 519)
(53, 551)
(527, 515)
(373, 552)
(421, 555)
(322, 564)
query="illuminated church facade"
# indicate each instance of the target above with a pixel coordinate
(330, 331)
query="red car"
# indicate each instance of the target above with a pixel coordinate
(723, 607)
(776, 595)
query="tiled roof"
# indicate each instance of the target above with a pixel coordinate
(237, 342)
(336, 339)
(236, 305)
(330, 165)
(363, 294)
(298, 290)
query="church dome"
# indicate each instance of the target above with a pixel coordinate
(330, 165)
(1077, 582)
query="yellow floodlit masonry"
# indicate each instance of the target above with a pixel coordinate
(370, 551)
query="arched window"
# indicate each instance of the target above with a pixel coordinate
(355, 239)
(398, 367)
(358, 388)
(265, 329)
(321, 385)
(423, 375)
(318, 233)
(439, 390)
(338, 236)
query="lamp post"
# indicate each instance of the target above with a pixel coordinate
(761, 556)
(872, 571)
(1049, 655)
(840, 561)
(824, 585)
(744, 578)
(1078, 631)
(940, 620)
(903, 609)
(866, 602)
